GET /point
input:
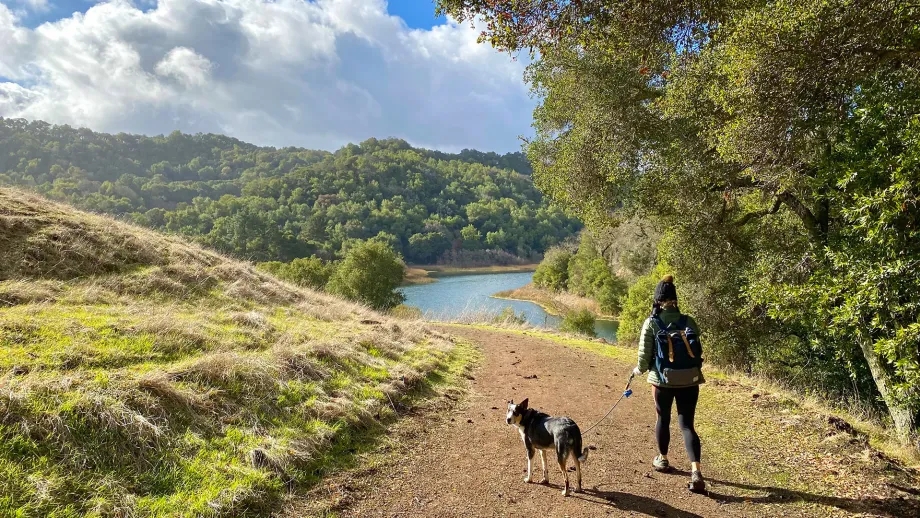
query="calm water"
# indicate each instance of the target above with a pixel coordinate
(454, 296)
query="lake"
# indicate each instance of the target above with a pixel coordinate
(455, 296)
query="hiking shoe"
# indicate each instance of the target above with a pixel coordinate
(661, 464)
(697, 484)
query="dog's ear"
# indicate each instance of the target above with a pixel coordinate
(523, 404)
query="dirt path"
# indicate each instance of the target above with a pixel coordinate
(468, 463)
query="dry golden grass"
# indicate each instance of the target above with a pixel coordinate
(144, 375)
(554, 303)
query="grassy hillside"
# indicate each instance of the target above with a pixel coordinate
(144, 376)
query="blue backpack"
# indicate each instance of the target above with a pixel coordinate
(679, 353)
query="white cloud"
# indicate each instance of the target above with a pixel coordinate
(186, 66)
(282, 72)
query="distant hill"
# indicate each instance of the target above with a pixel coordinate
(263, 203)
(142, 375)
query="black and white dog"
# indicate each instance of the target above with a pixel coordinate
(541, 432)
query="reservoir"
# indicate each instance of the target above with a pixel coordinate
(454, 297)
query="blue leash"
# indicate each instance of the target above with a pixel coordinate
(626, 393)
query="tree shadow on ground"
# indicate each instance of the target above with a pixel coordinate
(893, 507)
(633, 503)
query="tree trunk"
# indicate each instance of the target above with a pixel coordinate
(905, 419)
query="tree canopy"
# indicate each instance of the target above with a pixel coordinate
(268, 204)
(370, 274)
(774, 143)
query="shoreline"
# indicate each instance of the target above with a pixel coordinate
(428, 273)
(548, 301)
(549, 310)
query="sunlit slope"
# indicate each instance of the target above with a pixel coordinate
(142, 375)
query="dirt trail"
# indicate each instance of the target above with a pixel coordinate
(469, 463)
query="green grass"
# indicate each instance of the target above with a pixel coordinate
(602, 348)
(347, 451)
(155, 378)
(110, 414)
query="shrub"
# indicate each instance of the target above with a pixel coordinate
(507, 316)
(610, 295)
(370, 274)
(553, 272)
(311, 272)
(580, 321)
(589, 275)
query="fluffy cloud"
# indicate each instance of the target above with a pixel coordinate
(285, 72)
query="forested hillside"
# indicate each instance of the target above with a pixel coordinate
(269, 204)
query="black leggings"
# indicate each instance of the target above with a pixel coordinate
(686, 407)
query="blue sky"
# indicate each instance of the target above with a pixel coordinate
(316, 74)
(54, 10)
(418, 14)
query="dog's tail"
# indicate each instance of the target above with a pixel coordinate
(584, 455)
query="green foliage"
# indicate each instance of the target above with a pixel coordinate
(609, 294)
(780, 167)
(579, 321)
(590, 276)
(428, 247)
(311, 272)
(585, 273)
(553, 271)
(267, 204)
(863, 294)
(370, 274)
(637, 306)
(472, 238)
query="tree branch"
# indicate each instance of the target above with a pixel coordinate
(812, 225)
(750, 216)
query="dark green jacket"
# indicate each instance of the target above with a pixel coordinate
(647, 344)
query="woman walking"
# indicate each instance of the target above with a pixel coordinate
(670, 350)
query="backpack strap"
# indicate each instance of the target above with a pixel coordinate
(661, 329)
(682, 325)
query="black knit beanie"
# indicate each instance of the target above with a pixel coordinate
(665, 290)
